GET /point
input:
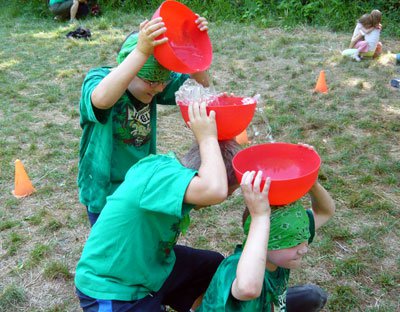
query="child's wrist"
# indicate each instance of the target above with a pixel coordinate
(261, 216)
(207, 139)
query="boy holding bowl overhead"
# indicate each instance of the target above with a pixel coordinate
(256, 276)
(118, 112)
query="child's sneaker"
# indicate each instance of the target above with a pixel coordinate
(356, 57)
(395, 83)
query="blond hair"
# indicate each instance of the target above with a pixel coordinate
(376, 17)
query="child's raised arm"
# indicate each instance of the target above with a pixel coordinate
(251, 267)
(111, 88)
(201, 77)
(210, 185)
(323, 205)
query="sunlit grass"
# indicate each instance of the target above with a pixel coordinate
(355, 128)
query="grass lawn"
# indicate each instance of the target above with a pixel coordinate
(355, 127)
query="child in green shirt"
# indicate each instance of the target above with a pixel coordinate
(118, 113)
(130, 261)
(255, 277)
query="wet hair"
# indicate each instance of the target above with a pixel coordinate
(376, 17)
(229, 148)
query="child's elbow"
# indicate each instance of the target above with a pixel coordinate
(217, 194)
(249, 291)
(99, 100)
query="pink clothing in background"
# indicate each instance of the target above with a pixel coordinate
(361, 46)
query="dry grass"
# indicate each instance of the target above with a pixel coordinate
(355, 128)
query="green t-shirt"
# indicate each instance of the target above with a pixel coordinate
(115, 139)
(218, 297)
(129, 252)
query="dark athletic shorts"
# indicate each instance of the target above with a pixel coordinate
(190, 277)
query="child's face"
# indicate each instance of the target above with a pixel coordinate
(288, 258)
(145, 90)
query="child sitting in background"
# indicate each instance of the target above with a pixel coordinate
(72, 9)
(256, 276)
(366, 35)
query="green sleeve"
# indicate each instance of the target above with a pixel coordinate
(161, 183)
(88, 112)
(218, 296)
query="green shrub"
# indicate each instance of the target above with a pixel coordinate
(333, 14)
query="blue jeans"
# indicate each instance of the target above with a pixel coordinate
(92, 217)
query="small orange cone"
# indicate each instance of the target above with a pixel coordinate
(321, 83)
(23, 186)
(242, 138)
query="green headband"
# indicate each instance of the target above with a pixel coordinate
(289, 227)
(151, 70)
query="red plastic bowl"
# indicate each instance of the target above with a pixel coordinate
(188, 49)
(231, 115)
(293, 169)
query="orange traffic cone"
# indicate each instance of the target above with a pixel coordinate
(23, 186)
(242, 138)
(321, 83)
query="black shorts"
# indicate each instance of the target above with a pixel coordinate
(190, 277)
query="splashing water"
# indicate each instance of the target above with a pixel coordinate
(261, 129)
(192, 91)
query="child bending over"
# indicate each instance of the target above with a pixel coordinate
(131, 261)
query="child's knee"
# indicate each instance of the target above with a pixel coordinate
(317, 295)
(305, 298)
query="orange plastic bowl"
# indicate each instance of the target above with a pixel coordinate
(231, 115)
(188, 49)
(293, 169)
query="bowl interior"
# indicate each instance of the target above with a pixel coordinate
(279, 161)
(188, 49)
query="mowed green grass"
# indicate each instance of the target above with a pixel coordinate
(355, 128)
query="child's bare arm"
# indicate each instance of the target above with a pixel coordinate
(355, 40)
(111, 88)
(251, 267)
(364, 30)
(201, 77)
(210, 185)
(323, 205)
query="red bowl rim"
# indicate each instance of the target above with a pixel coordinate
(185, 68)
(279, 143)
(219, 106)
(180, 103)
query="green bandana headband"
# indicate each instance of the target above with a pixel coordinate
(289, 227)
(151, 70)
